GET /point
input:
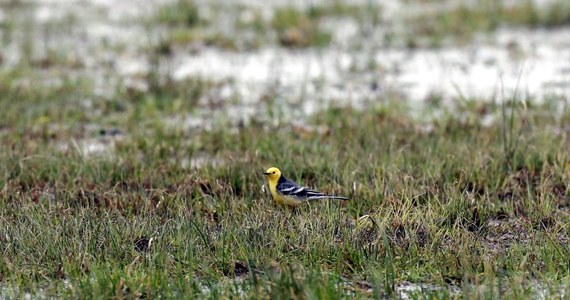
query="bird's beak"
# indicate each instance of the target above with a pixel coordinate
(265, 173)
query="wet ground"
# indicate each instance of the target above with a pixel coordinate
(116, 44)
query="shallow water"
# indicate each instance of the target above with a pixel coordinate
(403, 290)
(109, 42)
(539, 69)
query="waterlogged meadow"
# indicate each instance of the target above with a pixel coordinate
(133, 140)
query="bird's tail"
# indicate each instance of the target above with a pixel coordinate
(338, 197)
(320, 197)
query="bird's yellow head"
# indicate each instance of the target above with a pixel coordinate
(273, 174)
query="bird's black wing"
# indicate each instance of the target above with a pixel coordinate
(289, 188)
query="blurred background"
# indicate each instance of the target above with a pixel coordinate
(198, 64)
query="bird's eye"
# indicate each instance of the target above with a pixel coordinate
(273, 172)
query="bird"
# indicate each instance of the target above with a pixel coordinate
(285, 192)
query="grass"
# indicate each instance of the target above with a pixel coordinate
(445, 206)
(180, 13)
(460, 23)
(288, 27)
(297, 28)
(303, 27)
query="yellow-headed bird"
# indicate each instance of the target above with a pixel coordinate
(287, 192)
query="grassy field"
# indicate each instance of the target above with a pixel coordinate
(112, 197)
(445, 201)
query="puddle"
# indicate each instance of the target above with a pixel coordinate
(201, 161)
(404, 290)
(302, 81)
(537, 68)
(409, 290)
(93, 147)
(526, 63)
(9, 292)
